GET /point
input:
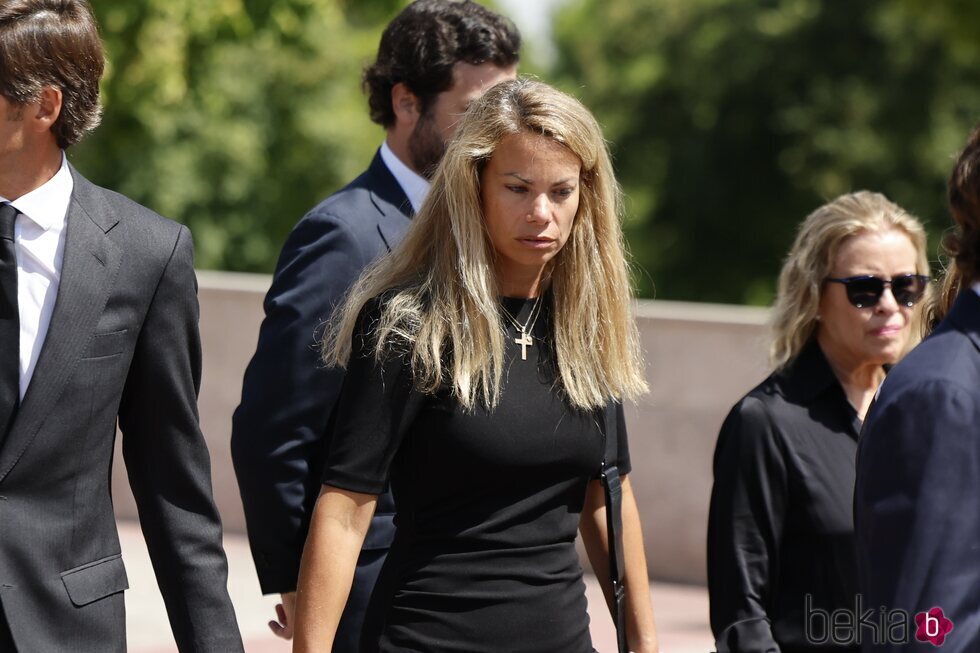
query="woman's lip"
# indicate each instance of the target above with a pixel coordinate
(536, 242)
(887, 331)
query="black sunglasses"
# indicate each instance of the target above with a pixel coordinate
(866, 290)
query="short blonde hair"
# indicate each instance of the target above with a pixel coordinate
(813, 254)
(440, 289)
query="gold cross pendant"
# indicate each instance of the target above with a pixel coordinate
(524, 341)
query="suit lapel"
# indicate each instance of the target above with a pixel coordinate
(89, 267)
(392, 228)
(391, 201)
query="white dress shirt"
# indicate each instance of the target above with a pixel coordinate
(976, 288)
(39, 241)
(416, 186)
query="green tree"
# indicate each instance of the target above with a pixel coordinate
(733, 119)
(234, 116)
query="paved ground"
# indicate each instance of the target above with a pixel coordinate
(681, 611)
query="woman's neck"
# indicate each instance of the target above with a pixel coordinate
(527, 284)
(859, 379)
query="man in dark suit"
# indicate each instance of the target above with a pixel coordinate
(434, 58)
(917, 497)
(98, 319)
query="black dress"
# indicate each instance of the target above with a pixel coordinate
(488, 503)
(781, 554)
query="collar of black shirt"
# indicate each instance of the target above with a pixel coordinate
(809, 376)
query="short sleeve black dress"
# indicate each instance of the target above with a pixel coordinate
(488, 503)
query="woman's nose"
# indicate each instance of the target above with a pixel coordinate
(540, 209)
(887, 303)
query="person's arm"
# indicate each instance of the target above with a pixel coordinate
(340, 522)
(641, 633)
(169, 467)
(376, 408)
(287, 395)
(917, 508)
(745, 525)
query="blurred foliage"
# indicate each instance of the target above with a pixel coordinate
(730, 120)
(234, 116)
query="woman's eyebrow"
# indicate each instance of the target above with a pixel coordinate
(565, 180)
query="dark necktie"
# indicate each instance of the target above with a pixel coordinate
(9, 321)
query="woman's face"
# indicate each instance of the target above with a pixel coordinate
(530, 195)
(875, 334)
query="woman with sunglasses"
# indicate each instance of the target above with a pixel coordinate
(781, 554)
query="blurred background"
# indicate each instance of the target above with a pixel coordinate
(729, 120)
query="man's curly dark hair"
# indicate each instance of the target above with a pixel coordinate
(422, 44)
(964, 205)
(961, 245)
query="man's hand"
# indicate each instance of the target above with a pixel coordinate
(284, 611)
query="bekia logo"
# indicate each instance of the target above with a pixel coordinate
(932, 626)
(845, 627)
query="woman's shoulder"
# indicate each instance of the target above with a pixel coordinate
(754, 408)
(778, 409)
(751, 432)
(763, 397)
(374, 309)
(387, 324)
(782, 392)
(757, 416)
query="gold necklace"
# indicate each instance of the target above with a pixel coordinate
(525, 340)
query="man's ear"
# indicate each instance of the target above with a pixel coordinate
(46, 108)
(406, 106)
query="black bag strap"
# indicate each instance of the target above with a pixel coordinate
(613, 490)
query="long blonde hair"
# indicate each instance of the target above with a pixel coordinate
(812, 256)
(439, 286)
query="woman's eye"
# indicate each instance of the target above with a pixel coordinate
(564, 192)
(516, 189)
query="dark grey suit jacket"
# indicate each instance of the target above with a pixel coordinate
(917, 498)
(279, 429)
(123, 341)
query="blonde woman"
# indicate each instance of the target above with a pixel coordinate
(780, 534)
(480, 357)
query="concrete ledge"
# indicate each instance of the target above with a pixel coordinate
(647, 309)
(217, 280)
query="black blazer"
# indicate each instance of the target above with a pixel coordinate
(123, 341)
(917, 500)
(278, 430)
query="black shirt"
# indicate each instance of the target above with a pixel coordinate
(780, 527)
(488, 503)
